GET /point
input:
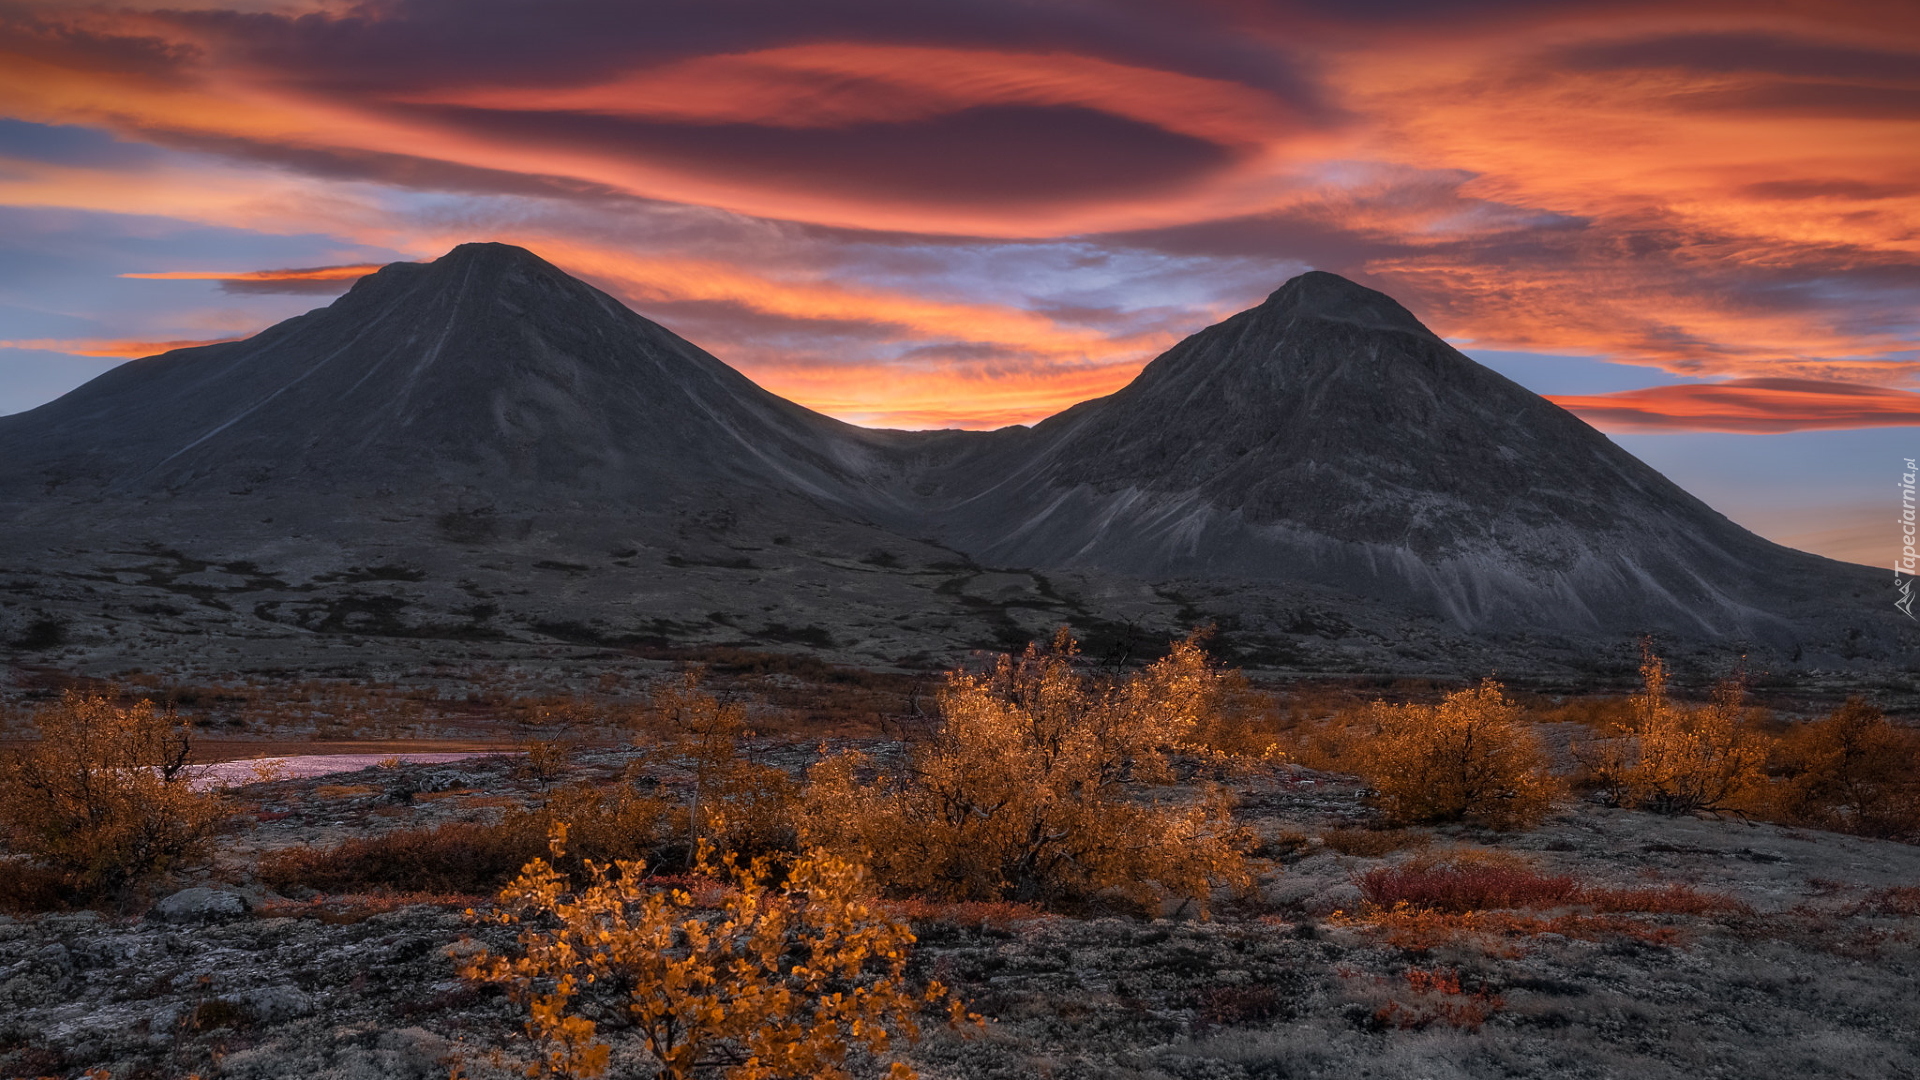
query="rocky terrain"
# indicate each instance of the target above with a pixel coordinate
(483, 457)
(1807, 966)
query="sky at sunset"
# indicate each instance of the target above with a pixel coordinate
(1695, 224)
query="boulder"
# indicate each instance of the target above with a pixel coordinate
(200, 905)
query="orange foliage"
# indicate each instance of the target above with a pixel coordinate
(1438, 998)
(1675, 760)
(1469, 758)
(1851, 771)
(1023, 792)
(780, 983)
(102, 796)
(735, 803)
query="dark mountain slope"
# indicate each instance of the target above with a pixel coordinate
(488, 370)
(1327, 436)
(488, 449)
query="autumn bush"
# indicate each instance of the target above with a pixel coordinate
(780, 982)
(102, 796)
(1028, 790)
(733, 802)
(1469, 758)
(1850, 771)
(1676, 759)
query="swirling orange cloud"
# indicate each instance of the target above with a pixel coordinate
(1749, 406)
(911, 212)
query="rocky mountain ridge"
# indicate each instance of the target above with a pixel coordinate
(485, 449)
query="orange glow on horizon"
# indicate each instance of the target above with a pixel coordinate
(318, 273)
(112, 347)
(1748, 406)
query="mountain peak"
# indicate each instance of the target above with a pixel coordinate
(491, 253)
(488, 261)
(487, 369)
(1318, 294)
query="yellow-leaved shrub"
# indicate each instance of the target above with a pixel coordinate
(102, 795)
(1851, 771)
(1469, 758)
(1675, 759)
(733, 802)
(1023, 793)
(779, 982)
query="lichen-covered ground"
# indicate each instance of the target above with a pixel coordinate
(1817, 975)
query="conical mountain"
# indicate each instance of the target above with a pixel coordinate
(1327, 436)
(486, 417)
(487, 370)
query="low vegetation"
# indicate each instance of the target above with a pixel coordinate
(1674, 759)
(99, 801)
(663, 890)
(1470, 758)
(1850, 771)
(1029, 790)
(777, 982)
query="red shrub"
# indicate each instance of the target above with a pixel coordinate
(1465, 887)
(1437, 997)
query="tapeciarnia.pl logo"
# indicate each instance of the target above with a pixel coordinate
(1904, 570)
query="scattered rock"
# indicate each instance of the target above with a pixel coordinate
(271, 1004)
(200, 905)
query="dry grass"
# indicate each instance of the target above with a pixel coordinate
(1495, 933)
(474, 857)
(1900, 900)
(1485, 901)
(1673, 899)
(458, 857)
(1373, 843)
(344, 791)
(349, 908)
(965, 914)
